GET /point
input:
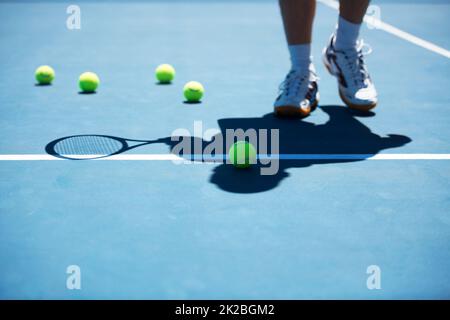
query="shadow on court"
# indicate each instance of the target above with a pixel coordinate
(342, 134)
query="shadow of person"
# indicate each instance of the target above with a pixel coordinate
(342, 138)
(342, 135)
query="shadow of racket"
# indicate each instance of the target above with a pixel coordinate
(93, 146)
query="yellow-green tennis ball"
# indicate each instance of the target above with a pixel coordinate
(193, 91)
(45, 75)
(165, 73)
(242, 154)
(88, 82)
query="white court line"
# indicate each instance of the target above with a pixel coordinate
(48, 157)
(395, 31)
(172, 157)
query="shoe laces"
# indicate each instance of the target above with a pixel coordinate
(296, 83)
(354, 60)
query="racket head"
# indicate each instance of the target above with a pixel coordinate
(86, 147)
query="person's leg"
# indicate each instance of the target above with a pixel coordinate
(353, 10)
(351, 14)
(299, 94)
(298, 17)
(344, 58)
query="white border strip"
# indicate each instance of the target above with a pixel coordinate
(395, 31)
(172, 157)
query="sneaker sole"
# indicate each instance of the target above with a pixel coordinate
(359, 107)
(293, 111)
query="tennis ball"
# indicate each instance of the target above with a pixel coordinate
(193, 91)
(165, 73)
(242, 154)
(44, 75)
(88, 82)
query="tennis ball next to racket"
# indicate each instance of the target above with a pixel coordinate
(242, 154)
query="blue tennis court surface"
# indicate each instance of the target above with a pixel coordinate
(155, 229)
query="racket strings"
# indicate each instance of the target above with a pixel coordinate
(88, 146)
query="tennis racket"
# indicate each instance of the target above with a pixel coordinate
(85, 147)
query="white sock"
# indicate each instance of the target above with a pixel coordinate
(300, 56)
(347, 34)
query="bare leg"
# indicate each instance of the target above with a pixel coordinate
(353, 10)
(298, 17)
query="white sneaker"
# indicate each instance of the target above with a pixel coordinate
(355, 85)
(298, 95)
